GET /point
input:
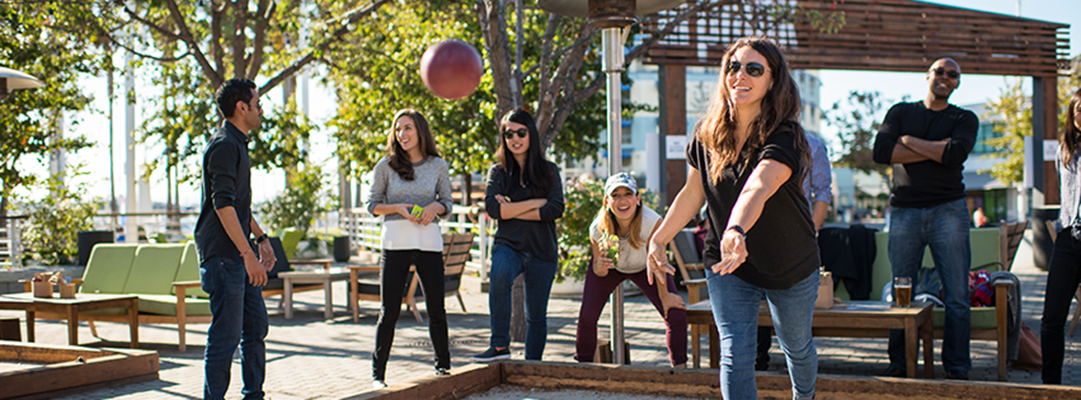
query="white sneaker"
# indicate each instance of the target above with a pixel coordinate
(378, 384)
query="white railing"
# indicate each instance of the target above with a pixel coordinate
(11, 247)
(363, 230)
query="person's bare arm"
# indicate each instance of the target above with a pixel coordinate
(229, 221)
(929, 150)
(266, 253)
(684, 207)
(818, 214)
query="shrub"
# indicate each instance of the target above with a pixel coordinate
(50, 235)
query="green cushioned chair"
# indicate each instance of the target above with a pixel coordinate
(290, 239)
(164, 276)
(108, 268)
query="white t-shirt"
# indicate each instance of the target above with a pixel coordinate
(631, 260)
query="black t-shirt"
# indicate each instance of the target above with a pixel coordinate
(781, 246)
(538, 238)
(927, 183)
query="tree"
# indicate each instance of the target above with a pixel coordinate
(193, 47)
(1015, 109)
(557, 62)
(857, 121)
(33, 39)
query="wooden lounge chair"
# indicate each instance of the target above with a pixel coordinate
(691, 268)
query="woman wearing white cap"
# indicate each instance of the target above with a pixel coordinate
(623, 226)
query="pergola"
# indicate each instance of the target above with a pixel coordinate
(878, 35)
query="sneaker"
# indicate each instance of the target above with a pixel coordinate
(378, 384)
(440, 371)
(492, 355)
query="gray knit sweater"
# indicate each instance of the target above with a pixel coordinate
(431, 183)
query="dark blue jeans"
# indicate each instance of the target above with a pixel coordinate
(945, 229)
(507, 263)
(239, 318)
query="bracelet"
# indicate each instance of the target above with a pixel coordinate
(244, 253)
(261, 238)
(738, 229)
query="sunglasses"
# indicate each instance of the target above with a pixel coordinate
(509, 134)
(950, 74)
(753, 69)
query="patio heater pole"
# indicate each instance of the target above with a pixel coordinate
(611, 16)
(612, 64)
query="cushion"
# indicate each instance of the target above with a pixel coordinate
(189, 271)
(154, 269)
(108, 268)
(163, 304)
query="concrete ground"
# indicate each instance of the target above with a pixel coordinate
(312, 358)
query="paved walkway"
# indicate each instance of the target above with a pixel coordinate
(310, 358)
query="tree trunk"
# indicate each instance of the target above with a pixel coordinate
(517, 315)
(467, 189)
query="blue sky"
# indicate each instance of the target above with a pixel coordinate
(974, 88)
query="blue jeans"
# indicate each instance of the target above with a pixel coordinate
(735, 311)
(945, 229)
(239, 317)
(507, 263)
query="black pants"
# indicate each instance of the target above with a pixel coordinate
(394, 282)
(1063, 276)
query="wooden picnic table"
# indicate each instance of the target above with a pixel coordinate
(849, 319)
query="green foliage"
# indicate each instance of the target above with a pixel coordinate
(278, 141)
(582, 200)
(1014, 109)
(50, 234)
(857, 122)
(34, 40)
(303, 200)
(378, 73)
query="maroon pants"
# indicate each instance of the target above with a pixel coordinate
(595, 296)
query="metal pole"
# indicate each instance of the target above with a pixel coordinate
(612, 63)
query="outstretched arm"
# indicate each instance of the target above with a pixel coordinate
(683, 208)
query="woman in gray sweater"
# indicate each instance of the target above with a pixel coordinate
(411, 188)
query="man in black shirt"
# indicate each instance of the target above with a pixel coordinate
(927, 142)
(231, 273)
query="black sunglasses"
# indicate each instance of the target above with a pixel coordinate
(753, 69)
(509, 134)
(950, 74)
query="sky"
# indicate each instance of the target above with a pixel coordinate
(835, 87)
(974, 88)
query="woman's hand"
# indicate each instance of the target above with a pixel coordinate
(404, 211)
(601, 265)
(502, 199)
(657, 266)
(733, 252)
(670, 300)
(426, 217)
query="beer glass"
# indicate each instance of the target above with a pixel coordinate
(902, 291)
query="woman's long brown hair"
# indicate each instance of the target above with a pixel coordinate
(399, 160)
(1071, 136)
(780, 106)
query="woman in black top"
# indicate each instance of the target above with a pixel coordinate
(526, 196)
(747, 161)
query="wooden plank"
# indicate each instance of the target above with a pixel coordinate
(97, 366)
(46, 354)
(472, 379)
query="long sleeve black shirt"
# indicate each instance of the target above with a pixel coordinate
(927, 183)
(538, 238)
(226, 182)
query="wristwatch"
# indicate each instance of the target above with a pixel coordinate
(738, 229)
(261, 238)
